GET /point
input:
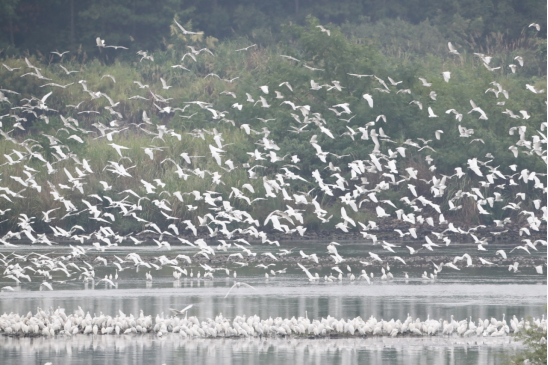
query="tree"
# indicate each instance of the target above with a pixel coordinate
(72, 37)
(8, 11)
(121, 22)
(534, 338)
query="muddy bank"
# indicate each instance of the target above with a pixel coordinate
(324, 262)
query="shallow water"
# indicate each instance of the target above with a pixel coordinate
(288, 296)
(148, 350)
(471, 292)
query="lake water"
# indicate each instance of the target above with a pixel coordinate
(149, 350)
(473, 292)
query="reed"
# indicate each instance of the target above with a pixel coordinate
(416, 55)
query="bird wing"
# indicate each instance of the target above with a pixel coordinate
(180, 27)
(230, 290)
(249, 286)
(186, 308)
(306, 271)
(46, 96)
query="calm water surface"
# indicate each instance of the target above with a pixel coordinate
(147, 350)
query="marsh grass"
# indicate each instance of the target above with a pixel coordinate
(421, 53)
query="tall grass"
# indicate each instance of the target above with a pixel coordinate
(419, 53)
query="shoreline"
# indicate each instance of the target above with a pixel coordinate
(511, 233)
(326, 262)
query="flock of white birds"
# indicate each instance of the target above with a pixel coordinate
(343, 177)
(51, 323)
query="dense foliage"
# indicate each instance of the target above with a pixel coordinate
(144, 24)
(339, 55)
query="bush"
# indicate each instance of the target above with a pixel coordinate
(534, 338)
